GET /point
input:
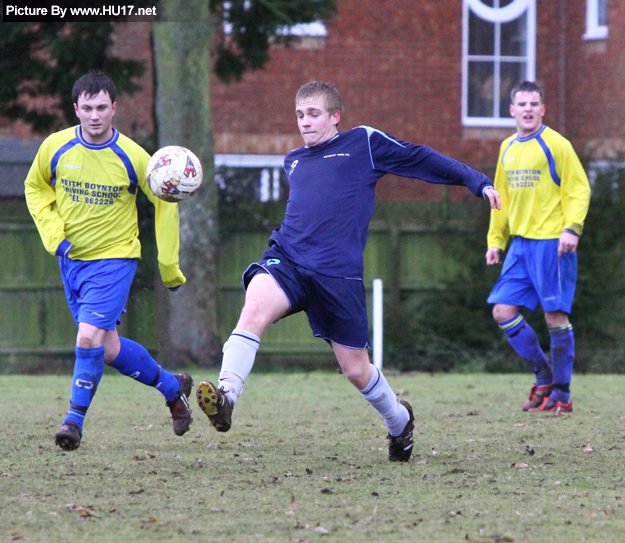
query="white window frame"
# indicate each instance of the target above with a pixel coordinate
(502, 15)
(269, 188)
(594, 31)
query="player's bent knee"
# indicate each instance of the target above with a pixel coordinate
(556, 318)
(503, 313)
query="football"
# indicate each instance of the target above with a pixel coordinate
(174, 173)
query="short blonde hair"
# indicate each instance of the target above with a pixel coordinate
(328, 91)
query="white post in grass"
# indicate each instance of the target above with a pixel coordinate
(377, 323)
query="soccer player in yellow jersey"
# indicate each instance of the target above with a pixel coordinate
(81, 191)
(544, 200)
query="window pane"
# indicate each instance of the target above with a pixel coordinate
(481, 36)
(514, 37)
(602, 12)
(511, 74)
(481, 90)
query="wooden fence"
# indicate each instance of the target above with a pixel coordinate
(37, 327)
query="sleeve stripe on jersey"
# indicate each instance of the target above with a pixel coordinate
(550, 160)
(57, 156)
(370, 131)
(132, 174)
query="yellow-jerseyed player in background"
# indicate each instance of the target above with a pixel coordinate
(81, 191)
(544, 200)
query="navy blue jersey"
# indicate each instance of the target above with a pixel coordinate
(332, 192)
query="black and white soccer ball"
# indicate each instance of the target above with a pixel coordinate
(174, 173)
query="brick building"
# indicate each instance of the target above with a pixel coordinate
(434, 73)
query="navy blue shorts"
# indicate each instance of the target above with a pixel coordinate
(532, 273)
(97, 290)
(336, 307)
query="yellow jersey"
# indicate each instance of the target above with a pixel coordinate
(544, 189)
(83, 200)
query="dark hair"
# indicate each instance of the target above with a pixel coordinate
(527, 86)
(327, 90)
(91, 84)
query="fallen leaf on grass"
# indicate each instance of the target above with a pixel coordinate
(321, 530)
(529, 451)
(588, 448)
(84, 510)
(9, 475)
(326, 491)
(15, 537)
(519, 465)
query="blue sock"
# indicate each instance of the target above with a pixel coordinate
(524, 341)
(562, 358)
(135, 362)
(88, 370)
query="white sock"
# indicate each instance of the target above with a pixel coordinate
(380, 395)
(239, 354)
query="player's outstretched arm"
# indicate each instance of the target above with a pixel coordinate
(493, 197)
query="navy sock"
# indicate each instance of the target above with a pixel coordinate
(562, 358)
(135, 362)
(88, 370)
(524, 341)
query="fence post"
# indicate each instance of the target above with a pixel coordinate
(377, 323)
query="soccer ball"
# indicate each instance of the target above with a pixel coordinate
(174, 173)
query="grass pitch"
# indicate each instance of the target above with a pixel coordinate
(306, 460)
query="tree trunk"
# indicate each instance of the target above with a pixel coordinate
(182, 74)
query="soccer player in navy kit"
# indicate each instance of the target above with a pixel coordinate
(315, 261)
(81, 192)
(545, 196)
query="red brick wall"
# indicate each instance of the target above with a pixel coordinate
(398, 67)
(595, 102)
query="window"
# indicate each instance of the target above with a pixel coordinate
(252, 177)
(596, 20)
(498, 50)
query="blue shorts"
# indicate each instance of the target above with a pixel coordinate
(336, 307)
(532, 273)
(97, 290)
